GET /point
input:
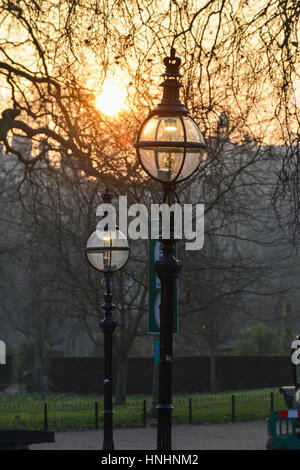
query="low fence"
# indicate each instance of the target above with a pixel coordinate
(139, 413)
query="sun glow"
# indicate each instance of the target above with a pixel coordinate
(111, 99)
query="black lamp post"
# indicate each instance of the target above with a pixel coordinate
(170, 148)
(107, 252)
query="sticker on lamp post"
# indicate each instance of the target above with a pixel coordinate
(157, 253)
(296, 354)
(156, 351)
(2, 352)
(157, 310)
(154, 287)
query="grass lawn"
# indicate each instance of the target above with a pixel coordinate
(69, 411)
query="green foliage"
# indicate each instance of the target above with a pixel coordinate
(258, 340)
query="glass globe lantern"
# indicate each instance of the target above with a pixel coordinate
(169, 144)
(107, 251)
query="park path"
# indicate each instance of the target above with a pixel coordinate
(251, 435)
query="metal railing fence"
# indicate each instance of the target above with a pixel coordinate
(192, 409)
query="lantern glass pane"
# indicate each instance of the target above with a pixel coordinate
(170, 129)
(162, 163)
(193, 133)
(149, 130)
(163, 129)
(192, 160)
(108, 259)
(148, 159)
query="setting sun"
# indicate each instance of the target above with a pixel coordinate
(111, 99)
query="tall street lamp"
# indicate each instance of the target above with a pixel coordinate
(107, 251)
(170, 148)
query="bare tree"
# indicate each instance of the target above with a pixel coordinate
(239, 61)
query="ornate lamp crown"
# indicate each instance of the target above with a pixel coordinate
(107, 196)
(171, 103)
(172, 65)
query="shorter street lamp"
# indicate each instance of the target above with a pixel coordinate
(108, 252)
(169, 147)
